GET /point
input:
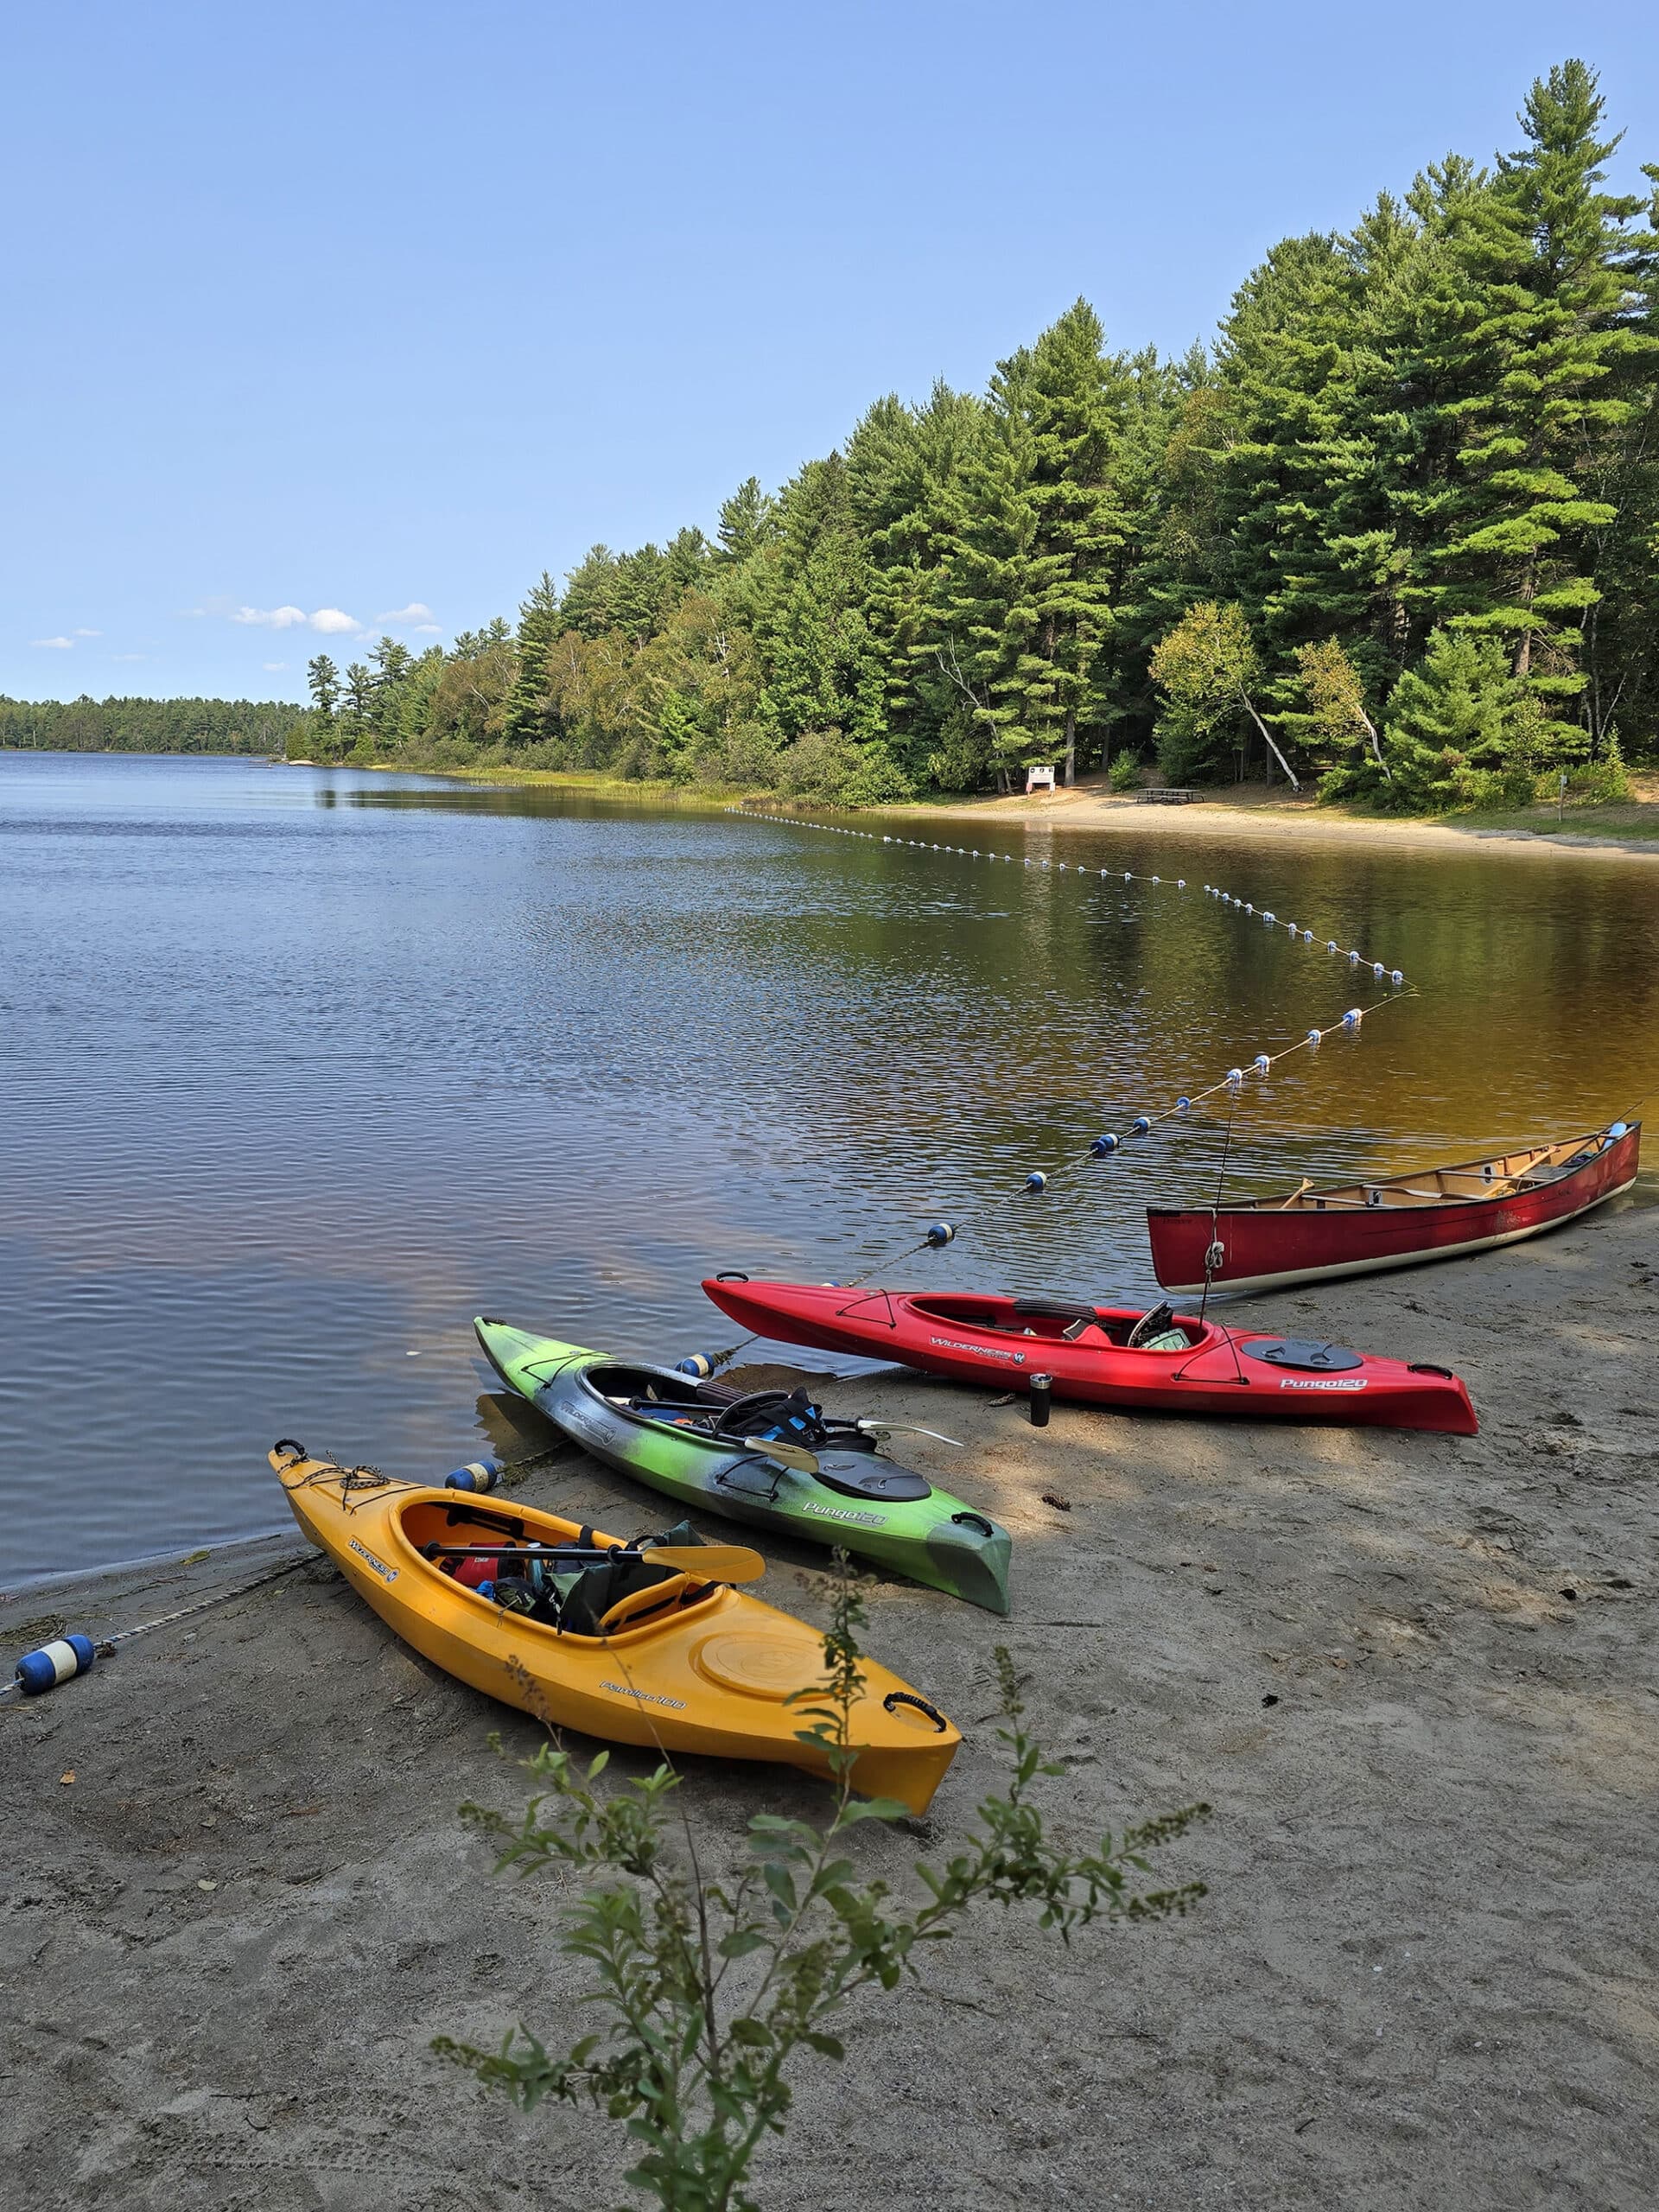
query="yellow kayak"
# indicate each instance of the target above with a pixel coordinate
(679, 1666)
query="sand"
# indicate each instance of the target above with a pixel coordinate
(1417, 1678)
(1260, 814)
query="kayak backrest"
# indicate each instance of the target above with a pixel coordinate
(617, 1380)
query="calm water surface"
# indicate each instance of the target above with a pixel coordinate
(304, 1068)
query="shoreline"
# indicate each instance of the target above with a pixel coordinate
(1087, 806)
(1414, 1674)
(1270, 820)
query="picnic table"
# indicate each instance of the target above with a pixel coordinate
(1162, 795)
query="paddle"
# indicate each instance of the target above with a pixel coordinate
(907, 1428)
(704, 1562)
(787, 1455)
(806, 1462)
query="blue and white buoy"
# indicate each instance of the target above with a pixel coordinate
(54, 1662)
(1102, 1144)
(477, 1474)
(698, 1366)
(940, 1234)
(1036, 1180)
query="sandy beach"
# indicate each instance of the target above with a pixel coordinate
(1279, 816)
(1416, 1676)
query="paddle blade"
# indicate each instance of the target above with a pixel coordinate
(787, 1455)
(907, 1428)
(709, 1563)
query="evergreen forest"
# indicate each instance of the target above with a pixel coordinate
(1394, 536)
(85, 725)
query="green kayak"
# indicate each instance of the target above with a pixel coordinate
(706, 1444)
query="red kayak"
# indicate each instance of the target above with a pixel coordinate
(1109, 1357)
(1431, 1213)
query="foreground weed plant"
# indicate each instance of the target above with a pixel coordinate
(709, 1994)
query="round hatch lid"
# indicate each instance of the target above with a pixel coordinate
(759, 1665)
(1307, 1353)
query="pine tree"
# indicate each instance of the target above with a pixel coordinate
(1446, 721)
(322, 681)
(748, 521)
(525, 720)
(1550, 252)
(588, 603)
(1026, 604)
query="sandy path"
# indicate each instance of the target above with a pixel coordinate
(1424, 1976)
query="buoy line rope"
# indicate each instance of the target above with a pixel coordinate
(701, 1365)
(1109, 1144)
(106, 1644)
(1352, 954)
(104, 1647)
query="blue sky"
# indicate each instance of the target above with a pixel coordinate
(330, 318)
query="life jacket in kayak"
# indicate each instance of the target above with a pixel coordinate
(575, 1599)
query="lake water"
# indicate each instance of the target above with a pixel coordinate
(304, 1068)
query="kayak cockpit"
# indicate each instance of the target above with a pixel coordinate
(513, 1562)
(1053, 1320)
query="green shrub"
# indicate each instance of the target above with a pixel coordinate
(1124, 773)
(1604, 782)
(823, 765)
(707, 1998)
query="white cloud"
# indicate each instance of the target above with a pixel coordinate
(270, 618)
(89, 634)
(332, 622)
(129, 655)
(428, 629)
(57, 645)
(414, 616)
(271, 667)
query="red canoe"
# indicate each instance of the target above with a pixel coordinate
(1437, 1213)
(1005, 1341)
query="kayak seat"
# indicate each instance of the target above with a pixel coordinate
(599, 1598)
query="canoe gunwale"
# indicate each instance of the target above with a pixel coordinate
(1271, 1246)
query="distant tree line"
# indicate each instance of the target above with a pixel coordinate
(86, 725)
(1395, 533)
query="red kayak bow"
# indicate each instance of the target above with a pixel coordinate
(1189, 1366)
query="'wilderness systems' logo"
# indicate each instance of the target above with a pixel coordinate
(980, 1352)
(645, 1697)
(386, 1574)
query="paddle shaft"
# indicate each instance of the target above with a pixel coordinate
(707, 1563)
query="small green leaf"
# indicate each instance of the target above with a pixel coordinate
(740, 1945)
(781, 1882)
